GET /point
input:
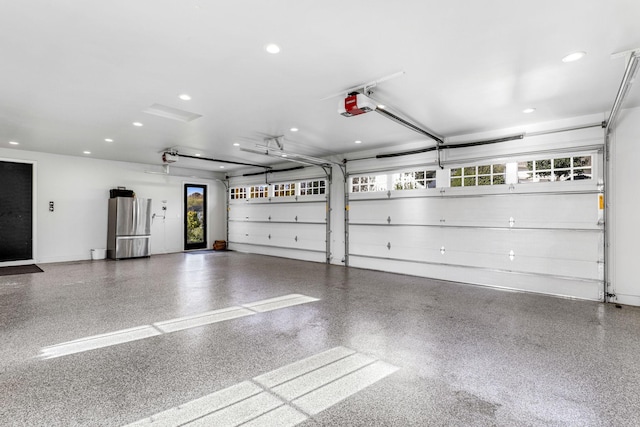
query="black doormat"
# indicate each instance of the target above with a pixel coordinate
(20, 269)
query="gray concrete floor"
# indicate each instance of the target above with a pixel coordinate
(466, 355)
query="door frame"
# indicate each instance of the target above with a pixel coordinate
(191, 246)
(34, 213)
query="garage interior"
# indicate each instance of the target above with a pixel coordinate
(422, 215)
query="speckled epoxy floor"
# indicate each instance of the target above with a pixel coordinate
(466, 355)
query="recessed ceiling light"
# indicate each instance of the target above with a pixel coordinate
(574, 56)
(137, 124)
(185, 97)
(14, 143)
(221, 167)
(528, 110)
(87, 152)
(108, 139)
(272, 48)
(236, 144)
(294, 129)
(381, 106)
(284, 155)
(197, 154)
(358, 142)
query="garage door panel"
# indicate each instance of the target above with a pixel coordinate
(281, 212)
(300, 236)
(566, 244)
(313, 256)
(554, 285)
(574, 254)
(537, 211)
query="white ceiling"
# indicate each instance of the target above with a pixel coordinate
(76, 72)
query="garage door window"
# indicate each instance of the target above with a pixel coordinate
(364, 183)
(471, 176)
(284, 190)
(259, 192)
(308, 188)
(414, 180)
(238, 193)
(555, 169)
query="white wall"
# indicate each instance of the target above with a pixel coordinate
(624, 208)
(79, 188)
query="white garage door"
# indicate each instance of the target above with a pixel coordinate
(286, 219)
(532, 224)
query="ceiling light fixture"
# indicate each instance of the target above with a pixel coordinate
(358, 142)
(236, 144)
(137, 124)
(381, 106)
(528, 110)
(185, 97)
(221, 167)
(294, 129)
(197, 154)
(108, 140)
(272, 48)
(574, 56)
(171, 113)
(14, 143)
(87, 152)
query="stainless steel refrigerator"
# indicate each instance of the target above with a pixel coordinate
(129, 229)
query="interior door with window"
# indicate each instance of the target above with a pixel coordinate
(195, 216)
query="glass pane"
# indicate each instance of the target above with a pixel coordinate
(582, 173)
(498, 179)
(562, 175)
(430, 174)
(456, 182)
(543, 177)
(470, 181)
(484, 180)
(525, 166)
(470, 171)
(498, 168)
(582, 161)
(524, 177)
(456, 172)
(543, 164)
(195, 215)
(484, 170)
(562, 163)
(356, 180)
